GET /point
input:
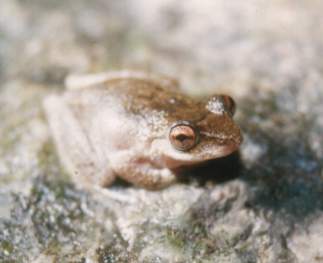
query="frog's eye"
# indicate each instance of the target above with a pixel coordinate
(221, 103)
(183, 136)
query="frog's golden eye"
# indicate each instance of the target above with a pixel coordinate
(183, 136)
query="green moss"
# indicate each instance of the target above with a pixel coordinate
(190, 238)
(48, 162)
(7, 247)
(115, 252)
(175, 237)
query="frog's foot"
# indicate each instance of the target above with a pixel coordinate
(88, 80)
(143, 173)
(155, 179)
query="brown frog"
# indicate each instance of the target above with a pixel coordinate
(138, 126)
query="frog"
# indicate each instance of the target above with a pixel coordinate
(138, 126)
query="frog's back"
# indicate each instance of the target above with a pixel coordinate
(132, 96)
(139, 96)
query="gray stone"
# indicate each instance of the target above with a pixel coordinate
(264, 205)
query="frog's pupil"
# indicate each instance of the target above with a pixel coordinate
(182, 137)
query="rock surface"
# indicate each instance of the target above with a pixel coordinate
(262, 206)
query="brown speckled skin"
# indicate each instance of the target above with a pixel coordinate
(126, 123)
(141, 97)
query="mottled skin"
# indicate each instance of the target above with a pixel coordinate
(118, 124)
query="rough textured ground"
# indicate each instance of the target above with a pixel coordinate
(264, 206)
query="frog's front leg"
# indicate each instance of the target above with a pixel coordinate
(142, 172)
(75, 149)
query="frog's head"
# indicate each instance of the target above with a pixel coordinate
(213, 136)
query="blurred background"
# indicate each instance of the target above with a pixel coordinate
(266, 54)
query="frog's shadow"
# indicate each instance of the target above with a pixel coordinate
(214, 171)
(211, 172)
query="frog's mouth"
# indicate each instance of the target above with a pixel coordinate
(182, 159)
